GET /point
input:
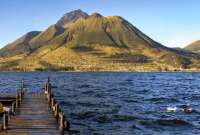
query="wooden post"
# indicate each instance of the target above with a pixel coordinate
(5, 120)
(61, 121)
(20, 96)
(17, 101)
(49, 98)
(45, 88)
(67, 125)
(47, 85)
(52, 103)
(22, 84)
(48, 79)
(23, 90)
(13, 108)
(48, 90)
(56, 110)
(22, 87)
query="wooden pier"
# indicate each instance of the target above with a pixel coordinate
(34, 113)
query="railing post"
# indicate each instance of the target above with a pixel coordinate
(56, 110)
(61, 121)
(17, 101)
(13, 108)
(67, 125)
(59, 115)
(20, 96)
(45, 88)
(22, 87)
(48, 86)
(5, 120)
(23, 91)
(52, 103)
(48, 90)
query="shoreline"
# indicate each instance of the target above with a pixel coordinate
(104, 71)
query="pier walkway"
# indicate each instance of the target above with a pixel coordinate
(35, 114)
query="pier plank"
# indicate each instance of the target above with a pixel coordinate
(33, 117)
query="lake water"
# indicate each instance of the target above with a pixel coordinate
(119, 103)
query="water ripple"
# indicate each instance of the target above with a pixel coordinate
(119, 103)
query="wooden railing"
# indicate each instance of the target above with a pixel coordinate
(15, 105)
(54, 105)
(64, 124)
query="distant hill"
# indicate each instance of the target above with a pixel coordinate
(195, 46)
(19, 46)
(79, 41)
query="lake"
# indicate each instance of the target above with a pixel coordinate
(106, 103)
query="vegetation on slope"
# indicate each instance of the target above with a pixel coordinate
(94, 42)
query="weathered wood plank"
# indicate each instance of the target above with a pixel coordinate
(33, 117)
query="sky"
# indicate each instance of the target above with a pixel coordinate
(174, 23)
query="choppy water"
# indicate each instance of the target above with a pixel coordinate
(120, 103)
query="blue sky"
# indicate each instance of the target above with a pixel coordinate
(174, 23)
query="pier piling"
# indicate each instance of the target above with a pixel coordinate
(5, 120)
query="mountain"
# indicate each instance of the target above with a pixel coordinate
(46, 36)
(71, 17)
(195, 46)
(79, 41)
(19, 46)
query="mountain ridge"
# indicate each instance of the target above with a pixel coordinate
(71, 17)
(23, 41)
(79, 41)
